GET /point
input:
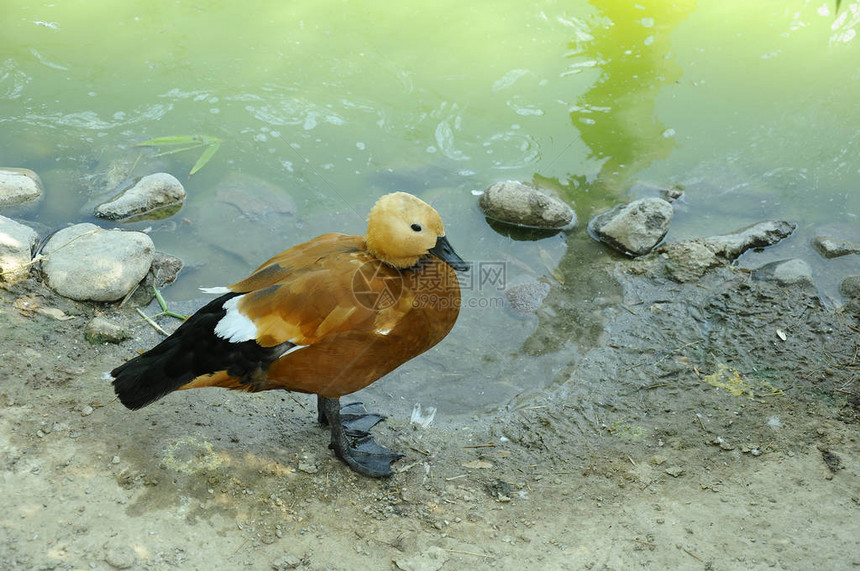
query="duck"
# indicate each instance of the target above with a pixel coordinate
(327, 317)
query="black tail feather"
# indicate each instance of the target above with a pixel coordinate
(171, 363)
(191, 351)
(146, 378)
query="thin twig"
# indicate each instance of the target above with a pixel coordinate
(691, 554)
(128, 295)
(469, 553)
(155, 325)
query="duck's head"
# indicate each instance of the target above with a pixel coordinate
(401, 229)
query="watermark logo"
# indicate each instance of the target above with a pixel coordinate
(375, 287)
(386, 292)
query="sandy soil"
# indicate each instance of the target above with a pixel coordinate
(692, 436)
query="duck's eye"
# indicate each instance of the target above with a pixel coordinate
(416, 227)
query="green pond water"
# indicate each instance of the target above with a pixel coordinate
(323, 106)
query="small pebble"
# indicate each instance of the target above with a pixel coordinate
(674, 471)
(308, 468)
(121, 558)
(86, 410)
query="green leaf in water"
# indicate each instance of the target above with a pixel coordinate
(211, 149)
(186, 143)
(195, 140)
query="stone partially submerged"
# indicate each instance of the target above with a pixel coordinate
(87, 263)
(154, 196)
(785, 272)
(519, 204)
(759, 235)
(633, 229)
(19, 186)
(835, 247)
(690, 259)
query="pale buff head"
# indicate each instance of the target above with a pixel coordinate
(402, 228)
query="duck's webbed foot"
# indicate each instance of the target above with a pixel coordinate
(351, 440)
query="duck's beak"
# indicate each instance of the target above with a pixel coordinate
(446, 253)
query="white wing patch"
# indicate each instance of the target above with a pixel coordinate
(235, 327)
(218, 289)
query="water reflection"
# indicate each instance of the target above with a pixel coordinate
(617, 120)
(617, 116)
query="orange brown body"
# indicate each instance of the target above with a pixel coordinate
(311, 296)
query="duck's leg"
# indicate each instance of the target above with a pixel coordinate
(355, 419)
(351, 440)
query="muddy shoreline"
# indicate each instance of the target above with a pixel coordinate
(688, 434)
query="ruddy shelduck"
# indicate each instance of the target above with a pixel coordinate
(327, 317)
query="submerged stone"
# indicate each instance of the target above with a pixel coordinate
(785, 272)
(527, 298)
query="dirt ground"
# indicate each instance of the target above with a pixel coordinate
(712, 426)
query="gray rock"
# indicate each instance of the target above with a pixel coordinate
(87, 263)
(758, 235)
(785, 272)
(523, 205)
(16, 248)
(155, 192)
(633, 229)
(689, 260)
(102, 330)
(834, 247)
(19, 186)
(527, 298)
(165, 268)
(851, 287)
